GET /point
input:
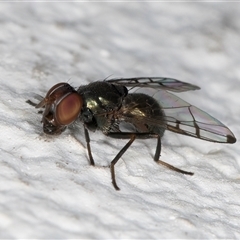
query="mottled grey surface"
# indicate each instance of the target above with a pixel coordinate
(48, 189)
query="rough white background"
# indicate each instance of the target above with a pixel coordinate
(48, 189)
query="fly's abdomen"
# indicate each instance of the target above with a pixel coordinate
(144, 113)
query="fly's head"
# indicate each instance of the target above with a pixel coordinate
(62, 107)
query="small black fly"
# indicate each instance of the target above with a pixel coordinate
(130, 108)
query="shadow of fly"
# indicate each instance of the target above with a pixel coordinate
(130, 108)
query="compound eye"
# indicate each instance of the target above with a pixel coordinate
(68, 108)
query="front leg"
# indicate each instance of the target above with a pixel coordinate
(87, 138)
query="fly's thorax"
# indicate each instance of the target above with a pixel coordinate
(100, 101)
(102, 97)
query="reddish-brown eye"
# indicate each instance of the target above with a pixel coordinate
(68, 109)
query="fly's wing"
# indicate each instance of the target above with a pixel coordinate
(169, 84)
(183, 118)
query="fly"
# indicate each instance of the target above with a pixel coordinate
(130, 108)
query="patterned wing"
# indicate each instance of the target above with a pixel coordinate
(169, 84)
(186, 119)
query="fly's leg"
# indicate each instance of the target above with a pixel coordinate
(125, 135)
(133, 136)
(114, 161)
(87, 138)
(157, 159)
(171, 167)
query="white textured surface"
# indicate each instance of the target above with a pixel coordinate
(48, 189)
